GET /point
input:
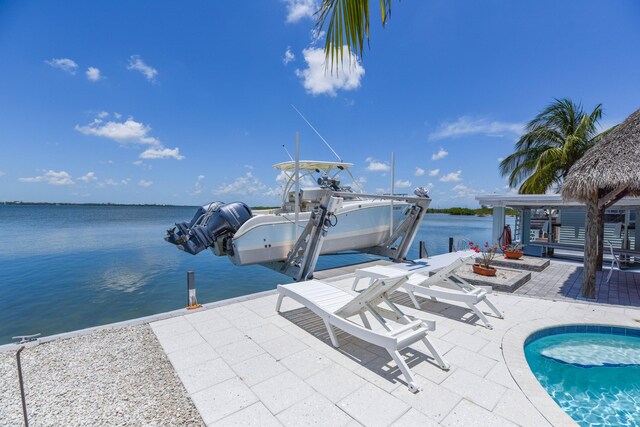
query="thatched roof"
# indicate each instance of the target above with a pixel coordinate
(613, 162)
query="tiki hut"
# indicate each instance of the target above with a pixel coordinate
(607, 172)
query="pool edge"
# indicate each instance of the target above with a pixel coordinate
(513, 343)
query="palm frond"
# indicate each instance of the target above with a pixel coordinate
(347, 27)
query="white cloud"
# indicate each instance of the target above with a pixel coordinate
(300, 9)
(114, 182)
(90, 176)
(64, 64)
(145, 184)
(434, 172)
(452, 177)
(375, 166)
(161, 153)
(402, 184)
(441, 154)
(128, 131)
(288, 56)
(136, 63)
(102, 114)
(316, 35)
(132, 132)
(500, 159)
(93, 74)
(243, 185)
(474, 126)
(51, 177)
(2, 173)
(320, 79)
(419, 172)
(197, 187)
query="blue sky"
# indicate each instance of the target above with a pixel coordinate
(184, 103)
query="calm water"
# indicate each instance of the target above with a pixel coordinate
(595, 378)
(70, 267)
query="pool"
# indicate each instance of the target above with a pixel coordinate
(592, 372)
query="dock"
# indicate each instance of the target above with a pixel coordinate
(238, 362)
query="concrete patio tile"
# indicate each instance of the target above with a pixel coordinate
(467, 414)
(170, 328)
(181, 341)
(239, 351)
(414, 418)
(248, 322)
(432, 400)
(264, 309)
(233, 311)
(283, 346)
(371, 406)
(466, 340)
(306, 363)
(192, 356)
(500, 374)
(258, 369)
(256, 415)
(265, 332)
(220, 400)
(208, 315)
(517, 408)
(335, 382)
(432, 372)
(355, 352)
(205, 375)
(212, 325)
(493, 350)
(475, 388)
(383, 373)
(312, 411)
(470, 360)
(441, 345)
(223, 337)
(282, 391)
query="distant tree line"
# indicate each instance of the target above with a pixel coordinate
(482, 211)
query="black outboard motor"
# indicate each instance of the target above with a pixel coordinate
(212, 223)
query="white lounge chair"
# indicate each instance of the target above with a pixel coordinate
(439, 286)
(335, 307)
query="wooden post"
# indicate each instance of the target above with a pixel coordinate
(590, 247)
(450, 244)
(600, 239)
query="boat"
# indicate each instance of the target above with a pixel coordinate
(320, 213)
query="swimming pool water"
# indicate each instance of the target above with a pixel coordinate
(594, 377)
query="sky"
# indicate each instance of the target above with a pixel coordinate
(190, 102)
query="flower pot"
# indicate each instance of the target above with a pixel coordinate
(484, 271)
(513, 255)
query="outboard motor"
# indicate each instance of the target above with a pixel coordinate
(212, 225)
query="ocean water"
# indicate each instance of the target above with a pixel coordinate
(64, 268)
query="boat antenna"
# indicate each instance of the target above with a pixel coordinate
(287, 151)
(317, 133)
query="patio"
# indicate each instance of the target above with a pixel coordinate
(242, 363)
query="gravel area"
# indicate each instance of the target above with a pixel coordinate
(110, 377)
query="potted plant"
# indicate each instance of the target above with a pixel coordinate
(512, 251)
(487, 254)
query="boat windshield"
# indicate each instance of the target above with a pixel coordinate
(313, 174)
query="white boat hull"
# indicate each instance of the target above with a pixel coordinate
(360, 224)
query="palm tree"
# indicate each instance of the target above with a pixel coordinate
(348, 25)
(553, 141)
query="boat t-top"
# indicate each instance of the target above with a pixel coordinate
(317, 216)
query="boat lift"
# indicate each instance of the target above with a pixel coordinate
(302, 259)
